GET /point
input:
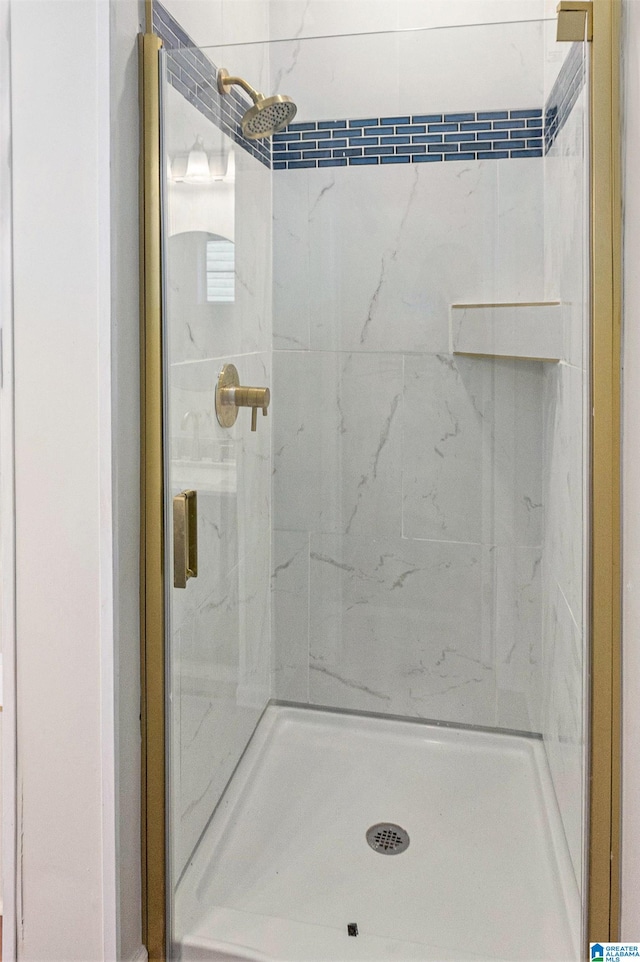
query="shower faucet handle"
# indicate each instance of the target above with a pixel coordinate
(264, 406)
(231, 395)
(254, 398)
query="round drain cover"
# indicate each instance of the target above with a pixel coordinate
(387, 838)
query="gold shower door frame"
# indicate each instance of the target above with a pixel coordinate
(604, 795)
(603, 897)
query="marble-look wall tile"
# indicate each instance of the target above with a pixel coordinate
(254, 536)
(518, 232)
(566, 267)
(565, 479)
(315, 18)
(518, 633)
(290, 615)
(200, 19)
(554, 53)
(395, 627)
(292, 293)
(254, 607)
(226, 21)
(472, 450)
(337, 435)
(309, 18)
(414, 14)
(214, 731)
(442, 455)
(467, 433)
(382, 276)
(253, 254)
(221, 672)
(422, 607)
(427, 70)
(563, 715)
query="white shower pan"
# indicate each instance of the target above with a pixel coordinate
(284, 867)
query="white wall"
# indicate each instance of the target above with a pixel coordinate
(61, 289)
(631, 480)
(76, 321)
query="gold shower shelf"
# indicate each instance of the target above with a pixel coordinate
(532, 331)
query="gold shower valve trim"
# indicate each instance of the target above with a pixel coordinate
(231, 396)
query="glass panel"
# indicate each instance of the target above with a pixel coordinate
(388, 619)
(565, 622)
(217, 208)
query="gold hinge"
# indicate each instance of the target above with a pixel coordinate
(575, 20)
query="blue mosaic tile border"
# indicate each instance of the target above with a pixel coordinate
(415, 138)
(564, 94)
(372, 141)
(193, 75)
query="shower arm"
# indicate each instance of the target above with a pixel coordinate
(224, 80)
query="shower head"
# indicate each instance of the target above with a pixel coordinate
(268, 114)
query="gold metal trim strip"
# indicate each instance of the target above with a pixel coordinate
(152, 575)
(575, 20)
(606, 253)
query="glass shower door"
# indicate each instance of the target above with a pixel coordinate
(217, 289)
(387, 626)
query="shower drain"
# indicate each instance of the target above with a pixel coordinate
(387, 838)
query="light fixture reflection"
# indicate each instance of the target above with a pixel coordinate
(197, 171)
(202, 167)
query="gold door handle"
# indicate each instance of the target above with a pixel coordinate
(231, 395)
(185, 538)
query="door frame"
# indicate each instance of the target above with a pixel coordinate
(152, 519)
(8, 695)
(604, 794)
(605, 523)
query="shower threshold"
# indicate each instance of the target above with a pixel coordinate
(284, 872)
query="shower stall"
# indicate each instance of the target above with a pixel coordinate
(376, 601)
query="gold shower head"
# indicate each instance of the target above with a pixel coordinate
(267, 116)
